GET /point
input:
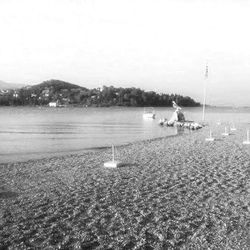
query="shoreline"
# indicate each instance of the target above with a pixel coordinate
(178, 192)
(80, 151)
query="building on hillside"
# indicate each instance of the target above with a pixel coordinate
(54, 104)
(45, 92)
(100, 88)
(15, 94)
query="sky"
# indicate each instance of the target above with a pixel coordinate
(159, 45)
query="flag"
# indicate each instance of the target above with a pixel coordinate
(206, 73)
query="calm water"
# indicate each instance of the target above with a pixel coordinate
(28, 133)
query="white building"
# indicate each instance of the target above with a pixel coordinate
(53, 104)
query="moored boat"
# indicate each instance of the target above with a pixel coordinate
(149, 113)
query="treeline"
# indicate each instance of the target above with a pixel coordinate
(138, 97)
(69, 94)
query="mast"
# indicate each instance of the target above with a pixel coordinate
(205, 93)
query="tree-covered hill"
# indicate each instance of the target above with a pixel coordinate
(65, 93)
(57, 85)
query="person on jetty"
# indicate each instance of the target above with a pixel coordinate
(177, 116)
(178, 119)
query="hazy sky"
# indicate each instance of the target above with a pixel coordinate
(152, 44)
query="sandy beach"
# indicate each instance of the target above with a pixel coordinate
(177, 192)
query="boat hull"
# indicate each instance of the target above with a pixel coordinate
(148, 116)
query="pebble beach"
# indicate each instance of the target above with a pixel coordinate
(178, 192)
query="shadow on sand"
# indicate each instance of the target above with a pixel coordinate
(128, 164)
(5, 194)
(218, 139)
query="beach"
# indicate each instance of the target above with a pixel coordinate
(178, 192)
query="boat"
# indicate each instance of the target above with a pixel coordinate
(149, 113)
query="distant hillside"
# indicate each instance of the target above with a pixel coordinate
(5, 85)
(64, 93)
(56, 85)
(51, 91)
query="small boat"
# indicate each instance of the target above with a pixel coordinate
(149, 113)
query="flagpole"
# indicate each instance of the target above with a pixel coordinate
(205, 94)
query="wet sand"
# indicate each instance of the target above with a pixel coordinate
(171, 193)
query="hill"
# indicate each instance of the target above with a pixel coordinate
(56, 85)
(5, 85)
(64, 93)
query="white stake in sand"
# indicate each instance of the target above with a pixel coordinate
(218, 123)
(210, 138)
(233, 128)
(113, 163)
(226, 132)
(247, 142)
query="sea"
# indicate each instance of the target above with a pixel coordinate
(28, 133)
